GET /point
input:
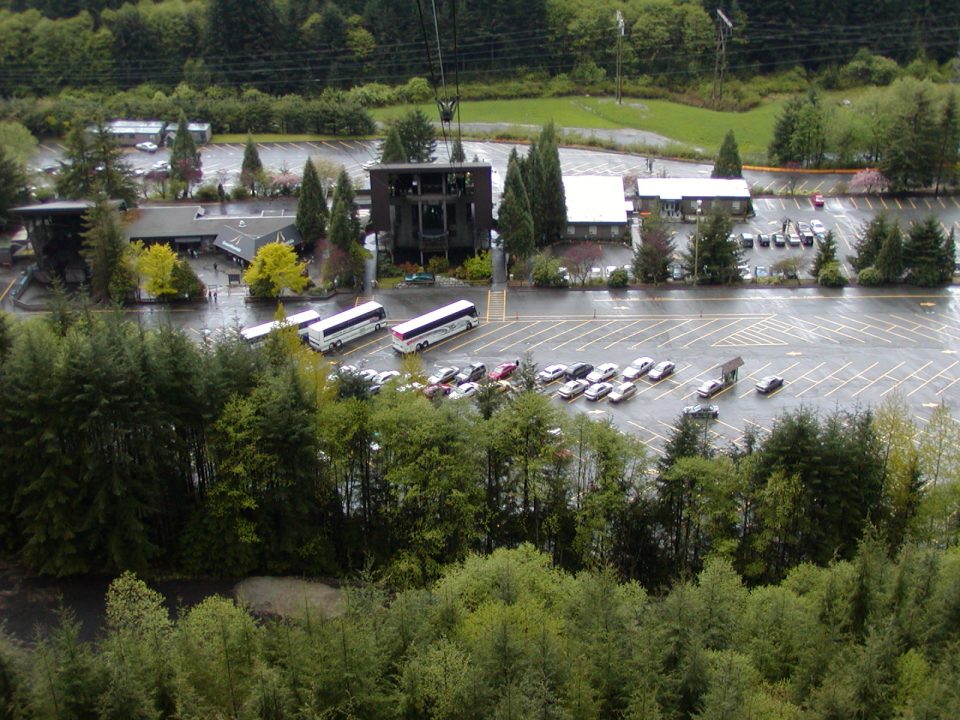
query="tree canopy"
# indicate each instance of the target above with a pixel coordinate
(274, 269)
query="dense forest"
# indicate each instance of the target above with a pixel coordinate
(303, 46)
(123, 448)
(507, 636)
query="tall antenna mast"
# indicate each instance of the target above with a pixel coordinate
(620, 33)
(724, 30)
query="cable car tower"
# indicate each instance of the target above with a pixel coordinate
(448, 105)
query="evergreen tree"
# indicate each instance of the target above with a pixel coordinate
(889, 262)
(312, 206)
(457, 153)
(948, 151)
(344, 206)
(185, 163)
(926, 254)
(417, 136)
(515, 221)
(93, 163)
(728, 164)
(826, 253)
(781, 148)
(251, 170)
(553, 204)
(392, 150)
(712, 255)
(910, 157)
(13, 185)
(651, 261)
(867, 247)
(531, 172)
(107, 252)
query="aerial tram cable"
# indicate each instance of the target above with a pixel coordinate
(446, 105)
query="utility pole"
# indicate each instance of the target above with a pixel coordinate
(620, 33)
(724, 30)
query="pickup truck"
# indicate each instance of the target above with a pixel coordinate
(420, 278)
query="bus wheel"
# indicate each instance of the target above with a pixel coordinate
(337, 345)
(426, 344)
(419, 347)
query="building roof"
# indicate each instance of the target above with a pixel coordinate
(191, 127)
(158, 222)
(594, 199)
(244, 236)
(147, 127)
(429, 167)
(60, 207)
(680, 188)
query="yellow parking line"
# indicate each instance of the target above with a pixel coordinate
(560, 335)
(813, 369)
(878, 379)
(612, 332)
(940, 200)
(897, 201)
(659, 322)
(926, 202)
(567, 342)
(867, 201)
(919, 387)
(853, 202)
(898, 384)
(912, 203)
(664, 332)
(7, 289)
(846, 382)
(955, 201)
(706, 335)
(726, 424)
(954, 382)
(894, 325)
(539, 332)
(474, 338)
(863, 329)
(501, 337)
(838, 332)
(344, 353)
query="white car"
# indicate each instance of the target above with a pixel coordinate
(818, 227)
(709, 388)
(603, 371)
(467, 390)
(147, 147)
(370, 375)
(443, 375)
(551, 373)
(638, 368)
(572, 389)
(598, 390)
(386, 376)
(659, 371)
(160, 166)
(622, 392)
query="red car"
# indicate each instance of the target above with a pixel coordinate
(817, 200)
(503, 370)
(437, 390)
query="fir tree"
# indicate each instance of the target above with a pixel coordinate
(728, 163)
(826, 254)
(868, 246)
(531, 172)
(417, 136)
(185, 163)
(553, 204)
(392, 150)
(457, 154)
(889, 262)
(781, 147)
(926, 254)
(312, 206)
(515, 222)
(344, 204)
(13, 185)
(949, 143)
(107, 252)
(251, 171)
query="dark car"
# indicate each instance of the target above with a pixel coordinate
(702, 412)
(471, 373)
(578, 371)
(746, 239)
(769, 384)
(763, 240)
(806, 238)
(779, 239)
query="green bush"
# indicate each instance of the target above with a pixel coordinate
(389, 270)
(870, 277)
(206, 193)
(830, 276)
(438, 265)
(546, 271)
(479, 267)
(240, 192)
(618, 279)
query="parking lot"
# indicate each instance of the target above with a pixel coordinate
(834, 351)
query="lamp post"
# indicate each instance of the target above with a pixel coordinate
(696, 246)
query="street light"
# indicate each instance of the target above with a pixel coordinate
(696, 246)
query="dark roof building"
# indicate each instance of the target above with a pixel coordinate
(679, 198)
(431, 208)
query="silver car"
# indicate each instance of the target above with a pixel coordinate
(638, 368)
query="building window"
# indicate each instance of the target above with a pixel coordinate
(735, 205)
(593, 231)
(570, 230)
(614, 231)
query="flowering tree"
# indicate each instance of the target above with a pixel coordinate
(869, 181)
(579, 258)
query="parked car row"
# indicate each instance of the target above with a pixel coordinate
(596, 383)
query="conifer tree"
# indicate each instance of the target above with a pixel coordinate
(889, 260)
(185, 163)
(728, 164)
(868, 245)
(927, 255)
(251, 170)
(948, 154)
(457, 153)
(826, 254)
(515, 221)
(312, 206)
(107, 252)
(344, 207)
(13, 185)
(393, 150)
(554, 201)
(417, 136)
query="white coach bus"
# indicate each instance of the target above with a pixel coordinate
(301, 321)
(418, 334)
(358, 321)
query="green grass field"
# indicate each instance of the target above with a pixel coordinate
(685, 124)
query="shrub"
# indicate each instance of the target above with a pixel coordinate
(870, 277)
(479, 267)
(438, 264)
(240, 192)
(546, 272)
(389, 270)
(409, 268)
(206, 193)
(618, 279)
(830, 276)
